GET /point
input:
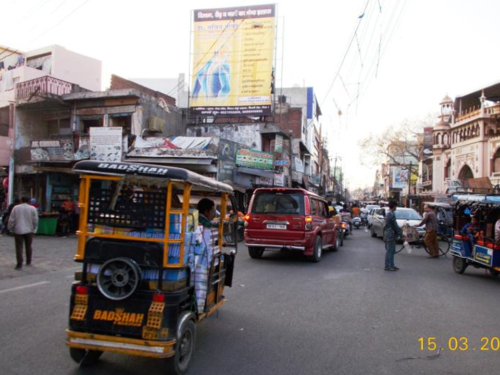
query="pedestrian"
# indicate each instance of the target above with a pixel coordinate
(6, 215)
(391, 232)
(23, 222)
(497, 230)
(431, 231)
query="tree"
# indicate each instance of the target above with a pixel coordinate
(398, 145)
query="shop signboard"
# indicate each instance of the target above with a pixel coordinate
(282, 163)
(254, 159)
(233, 55)
(52, 150)
(106, 143)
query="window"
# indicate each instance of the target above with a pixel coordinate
(322, 209)
(278, 203)
(314, 206)
(496, 161)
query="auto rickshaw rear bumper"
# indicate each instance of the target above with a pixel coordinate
(122, 345)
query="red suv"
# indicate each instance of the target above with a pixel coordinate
(285, 218)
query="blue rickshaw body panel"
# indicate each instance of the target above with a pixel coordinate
(483, 255)
(461, 248)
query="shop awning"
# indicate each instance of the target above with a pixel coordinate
(172, 161)
(255, 172)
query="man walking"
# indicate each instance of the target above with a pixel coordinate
(23, 222)
(431, 231)
(391, 232)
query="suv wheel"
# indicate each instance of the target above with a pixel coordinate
(337, 242)
(255, 252)
(316, 257)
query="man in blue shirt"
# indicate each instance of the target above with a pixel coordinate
(391, 232)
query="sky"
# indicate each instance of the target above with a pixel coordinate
(377, 62)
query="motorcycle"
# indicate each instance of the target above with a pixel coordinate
(357, 222)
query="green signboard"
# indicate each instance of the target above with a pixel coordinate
(254, 159)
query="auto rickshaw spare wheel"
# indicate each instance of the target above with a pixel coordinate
(119, 278)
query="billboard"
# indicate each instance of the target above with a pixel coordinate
(233, 61)
(400, 178)
(227, 161)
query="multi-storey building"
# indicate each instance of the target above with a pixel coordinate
(467, 141)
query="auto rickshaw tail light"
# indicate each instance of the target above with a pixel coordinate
(79, 312)
(158, 297)
(155, 315)
(82, 290)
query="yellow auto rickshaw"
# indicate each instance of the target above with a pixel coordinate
(150, 272)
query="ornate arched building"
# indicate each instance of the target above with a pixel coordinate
(466, 140)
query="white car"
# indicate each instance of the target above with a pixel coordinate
(403, 216)
(371, 212)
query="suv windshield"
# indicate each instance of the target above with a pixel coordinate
(408, 214)
(278, 203)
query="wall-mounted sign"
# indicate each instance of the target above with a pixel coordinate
(254, 159)
(106, 143)
(279, 179)
(282, 163)
(278, 145)
(298, 164)
(52, 150)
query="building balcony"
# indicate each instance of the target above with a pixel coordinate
(475, 112)
(440, 147)
(46, 86)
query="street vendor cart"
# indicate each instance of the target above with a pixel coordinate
(150, 272)
(476, 248)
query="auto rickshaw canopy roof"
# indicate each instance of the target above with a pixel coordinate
(157, 172)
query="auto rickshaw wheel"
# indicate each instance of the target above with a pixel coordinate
(84, 357)
(255, 252)
(494, 273)
(317, 251)
(459, 265)
(118, 278)
(184, 349)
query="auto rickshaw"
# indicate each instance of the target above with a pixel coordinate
(478, 248)
(150, 272)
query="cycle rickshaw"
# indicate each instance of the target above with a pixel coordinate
(150, 273)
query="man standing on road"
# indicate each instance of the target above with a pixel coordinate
(391, 232)
(23, 222)
(431, 230)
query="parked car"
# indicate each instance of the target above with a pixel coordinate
(403, 215)
(372, 212)
(293, 219)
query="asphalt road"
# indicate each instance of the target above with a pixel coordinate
(344, 315)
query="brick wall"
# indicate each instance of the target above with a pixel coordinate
(119, 83)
